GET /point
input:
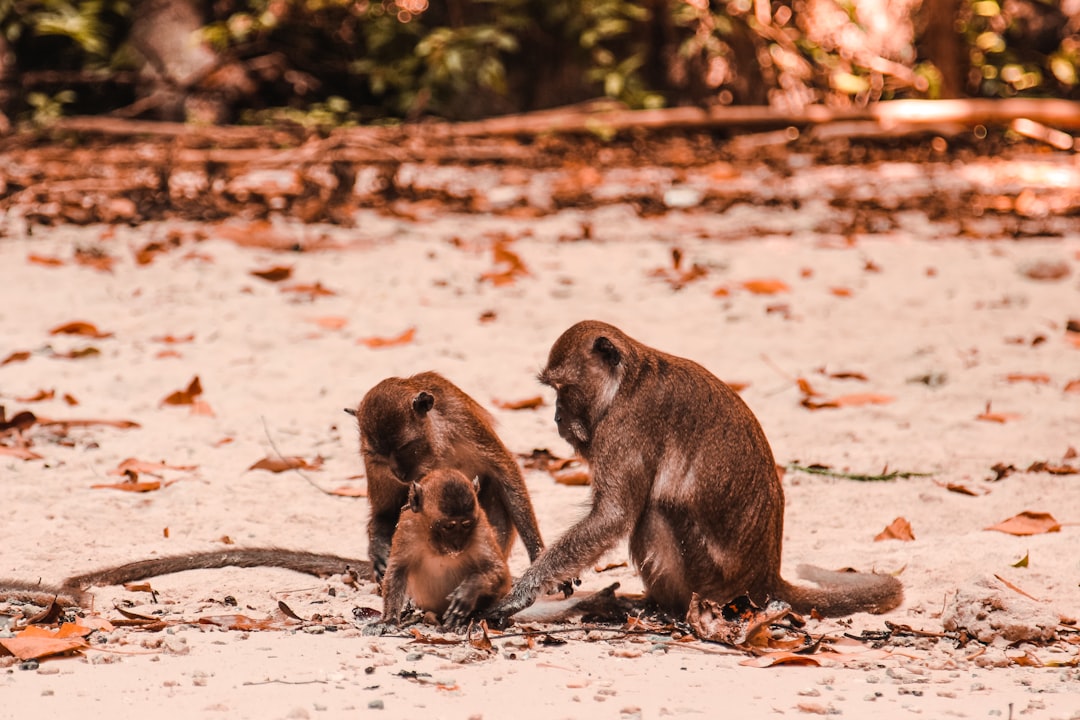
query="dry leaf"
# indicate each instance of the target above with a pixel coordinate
(1073, 386)
(77, 354)
(1047, 270)
(132, 486)
(899, 529)
(94, 258)
(281, 464)
(44, 260)
(349, 491)
(782, 658)
(174, 339)
(508, 265)
(572, 476)
(18, 356)
(150, 468)
(72, 422)
(312, 291)
(38, 642)
(843, 292)
(1028, 523)
(765, 286)
(853, 400)
(1046, 467)
(1037, 378)
(19, 453)
(998, 417)
(526, 404)
(806, 388)
(1015, 589)
(79, 327)
(958, 488)
(186, 396)
(383, 342)
(274, 274)
(39, 396)
(279, 621)
(330, 322)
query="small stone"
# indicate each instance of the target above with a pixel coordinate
(375, 704)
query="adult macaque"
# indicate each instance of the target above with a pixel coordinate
(444, 554)
(412, 426)
(680, 464)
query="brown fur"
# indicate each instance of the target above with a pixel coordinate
(444, 555)
(72, 591)
(679, 464)
(412, 426)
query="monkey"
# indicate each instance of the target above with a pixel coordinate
(72, 592)
(412, 426)
(444, 554)
(681, 465)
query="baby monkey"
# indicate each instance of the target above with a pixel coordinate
(444, 554)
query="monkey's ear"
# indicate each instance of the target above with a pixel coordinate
(607, 351)
(416, 495)
(423, 402)
(351, 411)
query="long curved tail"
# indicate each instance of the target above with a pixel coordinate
(298, 561)
(842, 593)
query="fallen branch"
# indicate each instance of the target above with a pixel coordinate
(829, 472)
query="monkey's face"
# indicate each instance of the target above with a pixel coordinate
(394, 430)
(448, 500)
(585, 368)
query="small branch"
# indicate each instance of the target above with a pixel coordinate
(266, 429)
(828, 472)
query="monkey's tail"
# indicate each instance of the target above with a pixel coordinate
(298, 561)
(38, 593)
(842, 593)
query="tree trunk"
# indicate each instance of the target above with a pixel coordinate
(941, 45)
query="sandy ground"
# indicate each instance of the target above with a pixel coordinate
(900, 309)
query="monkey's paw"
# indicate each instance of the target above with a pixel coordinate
(378, 628)
(462, 603)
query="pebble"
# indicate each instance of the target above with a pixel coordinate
(375, 704)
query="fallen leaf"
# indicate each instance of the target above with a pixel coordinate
(383, 342)
(842, 374)
(853, 400)
(1047, 270)
(19, 453)
(279, 621)
(131, 486)
(72, 422)
(313, 291)
(174, 339)
(186, 396)
(959, 488)
(79, 327)
(899, 529)
(526, 404)
(784, 658)
(22, 420)
(1073, 386)
(1016, 589)
(281, 464)
(274, 274)
(843, 292)
(70, 399)
(39, 396)
(1022, 562)
(17, 356)
(806, 388)
(47, 261)
(1046, 467)
(38, 642)
(95, 258)
(77, 354)
(349, 491)
(998, 417)
(572, 476)
(508, 265)
(1028, 523)
(330, 322)
(150, 468)
(765, 286)
(1037, 378)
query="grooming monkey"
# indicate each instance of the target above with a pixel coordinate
(412, 426)
(444, 554)
(72, 591)
(680, 464)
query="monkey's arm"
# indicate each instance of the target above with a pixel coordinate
(487, 582)
(394, 586)
(386, 496)
(582, 544)
(512, 486)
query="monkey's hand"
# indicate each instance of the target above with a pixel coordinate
(522, 595)
(566, 587)
(462, 603)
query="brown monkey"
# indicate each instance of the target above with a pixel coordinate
(444, 555)
(71, 591)
(412, 426)
(680, 464)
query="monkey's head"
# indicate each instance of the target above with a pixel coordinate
(586, 366)
(447, 500)
(395, 427)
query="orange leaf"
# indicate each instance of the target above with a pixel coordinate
(38, 642)
(330, 322)
(150, 468)
(571, 476)
(201, 407)
(1073, 386)
(79, 328)
(806, 389)
(988, 416)
(1028, 523)
(18, 356)
(71, 422)
(137, 487)
(44, 260)
(94, 258)
(245, 623)
(526, 404)
(274, 274)
(842, 292)
(765, 286)
(186, 396)
(899, 529)
(281, 464)
(39, 396)
(314, 291)
(780, 658)
(1037, 378)
(346, 491)
(508, 265)
(382, 342)
(18, 452)
(857, 399)
(173, 339)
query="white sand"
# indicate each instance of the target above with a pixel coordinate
(262, 359)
